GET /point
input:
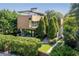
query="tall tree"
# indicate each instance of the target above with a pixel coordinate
(57, 19)
(41, 30)
(52, 28)
(46, 23)
(57, 15)
(71, 25)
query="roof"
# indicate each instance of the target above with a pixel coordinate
(32, 11)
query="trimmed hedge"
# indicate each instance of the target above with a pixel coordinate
(19, 45)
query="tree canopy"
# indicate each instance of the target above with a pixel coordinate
(8, 21)
(71, 24)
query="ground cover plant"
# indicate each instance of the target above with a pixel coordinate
(64, 51)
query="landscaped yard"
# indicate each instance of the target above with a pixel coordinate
(47, 34)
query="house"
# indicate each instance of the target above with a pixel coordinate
(29, 19)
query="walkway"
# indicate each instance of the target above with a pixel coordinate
(45, 40)
(6, 54)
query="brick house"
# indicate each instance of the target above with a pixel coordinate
(29, 19)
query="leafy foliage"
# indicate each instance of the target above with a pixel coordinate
(64, 51)
(50, 24)
(8, 21)
(46, 23)
(71, 26)
(41, 30)
(52, 28)
(56, 24)
(19, 45)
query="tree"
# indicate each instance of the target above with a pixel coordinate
(74, 6)
(57, 19)
(49, 25)
(41, 30)
(46, 23)
(4, 25)
(57, 15)
(52, 28)
(70, 29)
(71, 26)
(8, 20)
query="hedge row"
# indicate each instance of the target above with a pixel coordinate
(19, 45)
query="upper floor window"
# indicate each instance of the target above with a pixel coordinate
(35, 24)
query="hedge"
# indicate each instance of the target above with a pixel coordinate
(19, 45)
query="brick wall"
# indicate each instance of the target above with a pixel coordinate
(23, 22)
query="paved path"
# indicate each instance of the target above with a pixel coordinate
(45, 40)
(6, 54)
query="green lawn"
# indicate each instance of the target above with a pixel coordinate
(44, 48)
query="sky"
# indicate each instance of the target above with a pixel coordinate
(61, 7)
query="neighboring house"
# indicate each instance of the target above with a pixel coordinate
(29, 19)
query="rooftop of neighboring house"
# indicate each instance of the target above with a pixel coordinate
(32, 11)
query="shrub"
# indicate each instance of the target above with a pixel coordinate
(19, 45)
(64, 51)
(5, 42)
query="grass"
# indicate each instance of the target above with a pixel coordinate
(44, 48)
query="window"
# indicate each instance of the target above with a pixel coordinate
(34, 24)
